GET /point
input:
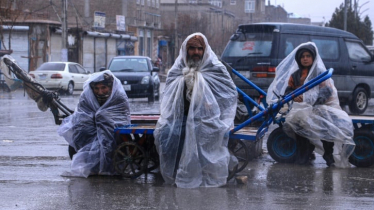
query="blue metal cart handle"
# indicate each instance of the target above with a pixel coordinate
(274, 108)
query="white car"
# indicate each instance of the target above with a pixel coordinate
(64, 76)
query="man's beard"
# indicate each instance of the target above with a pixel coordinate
(192, 63)
(102, 98)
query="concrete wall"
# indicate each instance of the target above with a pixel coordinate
(88, 53)
(111, 50)
(55, 47)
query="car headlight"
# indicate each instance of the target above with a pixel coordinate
(145, 80)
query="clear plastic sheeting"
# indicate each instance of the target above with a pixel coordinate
(90, 128)
(205, 158)
(319, 116)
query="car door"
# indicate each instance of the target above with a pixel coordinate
(361, 64)
(75, 76)
(83, 75)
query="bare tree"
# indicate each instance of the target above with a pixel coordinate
(11, 13)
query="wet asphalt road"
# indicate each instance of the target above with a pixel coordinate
(33, 160)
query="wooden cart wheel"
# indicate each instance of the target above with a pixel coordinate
(238, 148)
(130, 160)
(153, 159)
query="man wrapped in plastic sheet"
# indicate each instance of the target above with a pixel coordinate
(103, 106)
(197, 110)
(316, 116)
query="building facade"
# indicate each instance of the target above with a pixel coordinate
(96, 30)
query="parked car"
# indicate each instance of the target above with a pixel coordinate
(371, 49)
(255, 50)
(138, 76)
(64, 76)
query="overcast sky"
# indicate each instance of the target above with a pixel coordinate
(317, 9)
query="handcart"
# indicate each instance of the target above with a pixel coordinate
(136, 153)
(132, 159)
(282, 148)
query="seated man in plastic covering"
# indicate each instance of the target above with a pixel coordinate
(316, 116)
(197, 110)
(103, 106)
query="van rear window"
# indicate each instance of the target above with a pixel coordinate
(253, 45)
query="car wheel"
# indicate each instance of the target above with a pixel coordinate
(281, 147)
(151, 96)
(70, 89)
(359, 101)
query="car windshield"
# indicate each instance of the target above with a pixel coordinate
(250, 45)
(129, 64)
(51, 67)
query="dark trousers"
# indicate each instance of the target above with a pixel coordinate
(305, 149)
(329, 149)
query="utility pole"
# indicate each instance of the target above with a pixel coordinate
(175, 30)
(64, 50)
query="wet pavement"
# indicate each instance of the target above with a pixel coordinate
(33, 160)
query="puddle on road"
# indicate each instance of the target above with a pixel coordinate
(8, 141)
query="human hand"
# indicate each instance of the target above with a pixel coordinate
(298, 98)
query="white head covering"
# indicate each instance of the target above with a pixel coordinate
(288, 66)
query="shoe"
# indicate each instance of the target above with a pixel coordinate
(329, 158)
(302, 159)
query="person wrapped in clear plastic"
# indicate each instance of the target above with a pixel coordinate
(103, 105)
(197, 110)
(316, 115)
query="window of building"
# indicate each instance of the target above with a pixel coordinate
(149, 44)
(137, 1)
(149, 3)
(141, 42)
(158, 3)
(142, 1)
(153, 3)
(192, 1)
(232, 2)
(249, 6)
(217, 3)
(139, 14)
